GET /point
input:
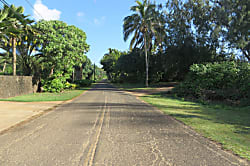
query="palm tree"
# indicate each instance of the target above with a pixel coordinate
(144, 24)
(14, 23)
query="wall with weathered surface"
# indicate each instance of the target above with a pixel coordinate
(11, 86)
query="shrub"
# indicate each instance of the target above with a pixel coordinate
(217, 81)
(68, 85)
(53, 85)
(57, 83)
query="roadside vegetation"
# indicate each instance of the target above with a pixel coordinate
(69, 92)
(52, 52)
(201, 46)
(227, 82)
(204, 45)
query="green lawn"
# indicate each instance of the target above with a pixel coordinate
(39, 97)
(229, 126)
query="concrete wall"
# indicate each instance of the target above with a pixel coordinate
(11, 86)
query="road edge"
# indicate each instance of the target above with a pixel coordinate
(39, 114)
(191, 131)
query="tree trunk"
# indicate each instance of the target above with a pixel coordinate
(146, 59)
(51, 71)
(14, 55)
(73, 74)
(4, 66)
(81, 69)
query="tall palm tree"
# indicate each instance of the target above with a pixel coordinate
(14, 24)
(144, 25)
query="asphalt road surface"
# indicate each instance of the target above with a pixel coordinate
(108, 127)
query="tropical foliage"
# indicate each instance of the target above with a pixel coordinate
(109, 61)
(124, 66)
(223, 81)
(60, 49)
(175, 35)
(50, 51)
(13, 25)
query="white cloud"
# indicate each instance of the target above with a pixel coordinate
(80, 14)
(44, 12)
(99, 21)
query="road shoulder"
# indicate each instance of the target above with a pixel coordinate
(13, 114)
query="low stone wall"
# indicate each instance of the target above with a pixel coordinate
(11, 86)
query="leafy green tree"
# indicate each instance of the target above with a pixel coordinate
(109, 62)
(84, 71)
(222, 25)
(100, 74)
(124, 66)
(233, 17)
(87, 69)
(131, 66)
(62, 46)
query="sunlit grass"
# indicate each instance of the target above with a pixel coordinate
(229, 126)
(39, 97)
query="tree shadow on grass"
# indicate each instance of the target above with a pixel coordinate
(236, 116)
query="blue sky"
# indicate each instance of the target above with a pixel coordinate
(101, 20)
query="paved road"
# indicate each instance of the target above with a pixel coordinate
(108, 127)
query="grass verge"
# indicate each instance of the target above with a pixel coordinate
(229, 126)
(40, 97)
(141, 86)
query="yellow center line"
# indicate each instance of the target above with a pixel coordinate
(92, 150)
